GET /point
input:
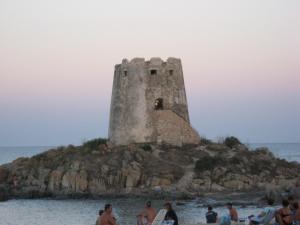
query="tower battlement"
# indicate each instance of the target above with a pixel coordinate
(153, 61)
(141, 90)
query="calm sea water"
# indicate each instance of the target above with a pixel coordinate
(84, 212)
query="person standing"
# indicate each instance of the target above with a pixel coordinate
(211, 216)
(170, 215)
(148, 213)
(232, 212)
(107, 217)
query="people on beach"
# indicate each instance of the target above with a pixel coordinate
(265, 216)
(211, 216)
(147, 215)
(107, 217)
(284, 215)
(232, 212)
(99, 216)
(170, 215)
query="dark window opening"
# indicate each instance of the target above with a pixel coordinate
(153, 72)
(158, 104)
(171, 72)
(125, 73)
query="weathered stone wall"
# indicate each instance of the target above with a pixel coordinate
(171, 128)
(137, 85)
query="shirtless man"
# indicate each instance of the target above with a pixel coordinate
(148, 212)
(107, 217)
(232, 212)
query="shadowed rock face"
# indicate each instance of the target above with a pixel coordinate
(146, 169)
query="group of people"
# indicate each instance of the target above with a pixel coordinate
(288, 214)
(212, 216)
(145, 217)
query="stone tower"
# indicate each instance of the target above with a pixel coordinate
(149, 104)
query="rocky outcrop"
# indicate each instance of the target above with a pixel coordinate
(100, 169)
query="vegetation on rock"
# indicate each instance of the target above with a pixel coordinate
(231, 141)
(97, 168)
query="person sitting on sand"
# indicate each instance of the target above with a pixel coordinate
(284, 215)
(148, 213)
(107, 217)
(232, 212)
(265, 216)
(211, 216)
(170, 215)
(98, 219)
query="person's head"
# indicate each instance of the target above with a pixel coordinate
(168, 206)
(148, 204)
(101, 212)
(209, 208)
(229, 205)
(270, 201)
(296, 205)
(285, 203)
(291, 199)
(108, 208)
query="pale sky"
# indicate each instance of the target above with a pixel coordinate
(241, 63)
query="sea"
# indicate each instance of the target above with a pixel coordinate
(84, 212)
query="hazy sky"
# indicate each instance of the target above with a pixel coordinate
(241, 62)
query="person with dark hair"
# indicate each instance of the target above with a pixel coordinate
(107, 217)
(265, 216)
(232, 212)
(296, 213)
(147, 215)
(211, 216)
(98, 219)
(170, 215)
(284, 215)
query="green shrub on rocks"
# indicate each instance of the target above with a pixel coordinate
(147, 148)
(205, 141)
(208, 163)
(94, 143)
(231, 141)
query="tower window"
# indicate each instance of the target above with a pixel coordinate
(171, 72)
(153, 72)
(158, 104)
(125, 73)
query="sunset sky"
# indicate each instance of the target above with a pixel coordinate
(241, 63)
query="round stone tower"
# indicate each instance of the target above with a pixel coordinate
(149, 103)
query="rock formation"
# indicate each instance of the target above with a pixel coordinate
(95, 169)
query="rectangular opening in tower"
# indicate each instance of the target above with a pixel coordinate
(153, 72)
